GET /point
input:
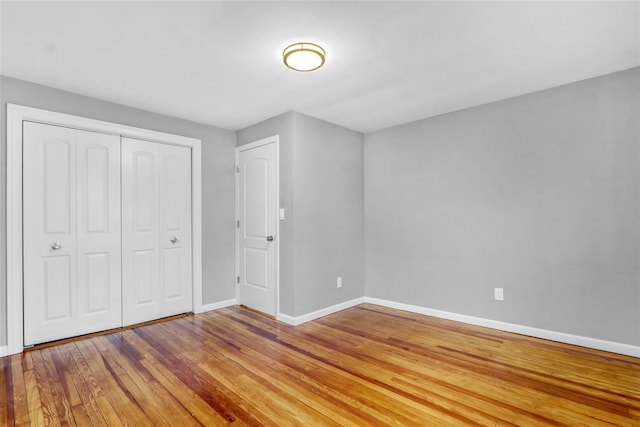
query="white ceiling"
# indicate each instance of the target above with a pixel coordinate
(387, 62)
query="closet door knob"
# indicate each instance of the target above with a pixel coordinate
(174, 240)
(269, 238)
(56, 246)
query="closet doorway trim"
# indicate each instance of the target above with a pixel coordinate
(16, 114)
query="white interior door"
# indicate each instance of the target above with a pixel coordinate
(257, 208)
(156, 223)
(71, 227)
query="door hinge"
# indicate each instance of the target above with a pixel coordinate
(237, 279)
(238, 224)
(237, 168)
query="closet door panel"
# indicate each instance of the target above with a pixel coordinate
(175, 234)
(58, 286)
(140, 204)
(98, 298)
(49, 217)
(58, 163)
(98, 230)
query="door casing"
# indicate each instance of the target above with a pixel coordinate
(275, 139)
(16, 114)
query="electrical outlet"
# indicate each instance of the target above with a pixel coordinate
(498, 294)
(339, 282)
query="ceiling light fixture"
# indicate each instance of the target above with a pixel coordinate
(303, 56)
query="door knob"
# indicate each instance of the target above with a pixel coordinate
(56, 246)
(174, 240)
(269, 238)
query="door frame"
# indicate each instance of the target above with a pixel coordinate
(275, 139)
(16, 114)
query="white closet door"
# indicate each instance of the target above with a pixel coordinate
(98, 231)
(71, 192)
(175, 230)
(156, 238)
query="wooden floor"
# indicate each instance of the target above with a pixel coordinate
(365, 366)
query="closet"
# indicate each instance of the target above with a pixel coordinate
(107, 231)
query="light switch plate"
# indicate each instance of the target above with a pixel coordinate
(282, 214)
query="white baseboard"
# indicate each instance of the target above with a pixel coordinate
(613, 347)
(298, 320)
(4, 350)
(218, 305)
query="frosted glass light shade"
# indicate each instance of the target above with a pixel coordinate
(303, 56)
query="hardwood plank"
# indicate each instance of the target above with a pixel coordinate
(581, 398)
(126, 407)
(352, 365)
(363, 366)
(137, 382)
(302, 369)
(227, 402)
(199, 409)
(19, 391)
(91, 391)
(47, 400)
(366, 391)
(6, 394)
(62, 395)
(305, 389)
(36, 411)
(84, 401)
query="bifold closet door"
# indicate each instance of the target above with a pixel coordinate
(156, 234)
(71, 227)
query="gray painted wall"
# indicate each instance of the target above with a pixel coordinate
(329, 213)
(537, 194)
(321, 189)
(218, 199)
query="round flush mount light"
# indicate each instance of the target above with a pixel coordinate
(303, 56)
